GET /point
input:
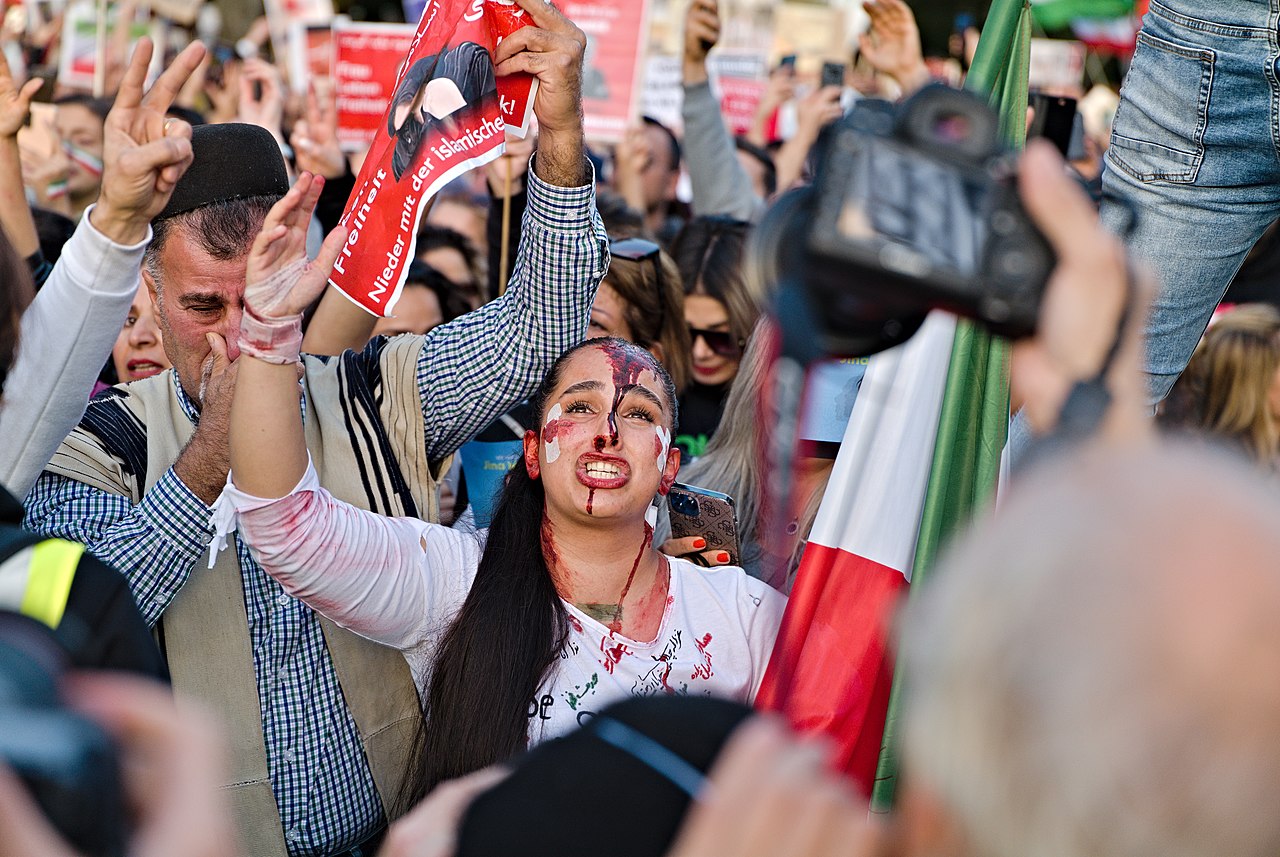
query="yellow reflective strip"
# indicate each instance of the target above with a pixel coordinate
(53, 567)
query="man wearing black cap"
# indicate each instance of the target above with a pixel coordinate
(320, 719)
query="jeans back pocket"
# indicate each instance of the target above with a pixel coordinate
(1159, 129)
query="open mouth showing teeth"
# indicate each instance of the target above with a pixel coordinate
(603, 471)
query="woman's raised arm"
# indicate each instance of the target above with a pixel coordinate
(268, 448)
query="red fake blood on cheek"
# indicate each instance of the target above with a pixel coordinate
(555, 429)
(616, 625)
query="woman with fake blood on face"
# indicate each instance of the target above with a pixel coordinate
(565, 607)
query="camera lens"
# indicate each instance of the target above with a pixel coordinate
(684, 505)
(952, 129)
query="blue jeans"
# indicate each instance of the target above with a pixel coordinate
(1194, 151)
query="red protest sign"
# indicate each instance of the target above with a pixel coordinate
(515, 92)
(612, 65)
(739, 98)
(319, 50)
(366, 60)
(446, 114)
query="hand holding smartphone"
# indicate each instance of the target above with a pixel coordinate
(832, 74)
(710, 515)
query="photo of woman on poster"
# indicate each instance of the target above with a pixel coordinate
(432, 91)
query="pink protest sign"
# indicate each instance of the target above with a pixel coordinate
(739, 98)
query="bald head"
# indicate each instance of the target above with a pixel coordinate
(1096, 671)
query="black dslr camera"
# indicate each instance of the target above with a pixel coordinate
(67, 762)
(913, 207)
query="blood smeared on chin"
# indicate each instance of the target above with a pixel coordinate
(591, 499)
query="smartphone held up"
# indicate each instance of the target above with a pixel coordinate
(710, 515)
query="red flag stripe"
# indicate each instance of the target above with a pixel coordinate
(831, 670)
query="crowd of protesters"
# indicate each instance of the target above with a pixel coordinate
(347, 638)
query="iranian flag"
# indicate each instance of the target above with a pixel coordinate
(1105, 25)
(1118, 36)
(1057, 14)
(921, 453)
(830, 672)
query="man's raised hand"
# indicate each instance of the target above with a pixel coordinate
(144, 151)
(315, 136)
(892, 45)
(701, 32)
(551, 50)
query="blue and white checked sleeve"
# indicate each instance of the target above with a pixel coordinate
(154, 544)
(477, 367)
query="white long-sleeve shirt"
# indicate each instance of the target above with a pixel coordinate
(67, 335)
(401, 581)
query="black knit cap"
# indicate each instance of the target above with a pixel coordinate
(232, 161)
(618, 786)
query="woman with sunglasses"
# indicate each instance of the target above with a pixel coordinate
(720, 315)
(565, 607)
(640, 300)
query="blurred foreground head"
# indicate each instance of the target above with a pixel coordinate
(1096, 671)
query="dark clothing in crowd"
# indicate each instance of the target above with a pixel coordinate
(100, 627)
(493, 233)
(701, 407)
(1259, 278)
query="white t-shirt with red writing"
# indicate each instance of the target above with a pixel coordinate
(401, 581)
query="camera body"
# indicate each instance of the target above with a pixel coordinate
(913, 207)
(66, 761)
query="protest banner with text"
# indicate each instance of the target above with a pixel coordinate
(81, 46)
(612, 65)
(447, 113)
(286, 19)
(311, 52)
(366, 63)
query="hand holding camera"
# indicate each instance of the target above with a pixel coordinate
(917, 207)
(1092, 297)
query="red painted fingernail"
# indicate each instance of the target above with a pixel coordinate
(699, 543)
(722, 557)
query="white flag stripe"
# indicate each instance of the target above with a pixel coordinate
(876, 493)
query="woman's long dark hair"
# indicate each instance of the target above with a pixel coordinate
(510, 631)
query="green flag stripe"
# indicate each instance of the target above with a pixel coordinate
(974, 420)
(1056, 14)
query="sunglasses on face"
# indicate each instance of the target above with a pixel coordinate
(721, 342)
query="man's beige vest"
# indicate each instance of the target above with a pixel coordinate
(367, 442)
